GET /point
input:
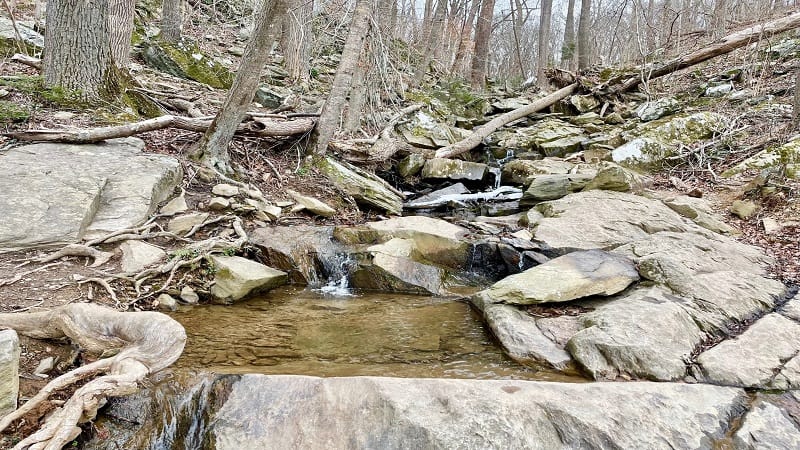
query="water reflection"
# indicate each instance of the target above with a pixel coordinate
(294, 331)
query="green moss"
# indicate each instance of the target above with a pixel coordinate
(11, 112)
(185, 60)
(33, 86)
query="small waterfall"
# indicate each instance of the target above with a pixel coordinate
(509, 156)
(337, 269)
(496, 171)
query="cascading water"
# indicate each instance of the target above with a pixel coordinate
(337, 272)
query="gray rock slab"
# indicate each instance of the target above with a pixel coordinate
(389, 273)
(569, 277)
(9, 371)
(287, 411)
(551, 187)
(756, 358)
(521, 338)
(136, 255)
(60, 193)
(523, 171)
(603, 220)
(646, 333)
(453, 169)
(766, 426)
(238, 277)
(312, 204)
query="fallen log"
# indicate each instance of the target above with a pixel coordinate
(255, 126)
(146, 343)
(723, 46)
(480, 133)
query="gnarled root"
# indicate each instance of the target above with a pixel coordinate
(146, 343)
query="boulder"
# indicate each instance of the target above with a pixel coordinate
(388, 273)
(773, 158)
(175, 206)
(584, 103)
(699, 211)
(563, 146)
(189, 295)
(552, 187)
(9, 37)
(61, 193)
(225, 190)
(219, 204)
(364, 187)
(436, 240)
(569, 277)
(273, 97)
(764, 356)
(519, 335)
(453, 169)
(289, 411)
(657, 109)
(166, 302)
(439, 195)
(237, 278)
(568, 137)
(613, 177)
(523, 171)
(766, 426)
(308, 254)
(646, 333)
(9, 371)
(744, 209)
(411, 165)
(185, 60)
(719, 90)
(317, 207)
(602, 220)
(137, 255)
(181, 225)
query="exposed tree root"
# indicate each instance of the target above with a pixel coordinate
(146, 342)
(99, 257)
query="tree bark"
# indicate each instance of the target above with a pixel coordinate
(171, 20)
(332, 111)
(568, 49)
(480, 133)
(213, 147)
(296, 39)
(357, 99)
(464, 43)
(78, 49)
(121, 25)
(480, 56)
(544, 43)
(432, 43)
(584, 23)
(721, 47)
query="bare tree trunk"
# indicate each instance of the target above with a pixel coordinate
(584, 23)
(332, 111)
(435, 30)
(568, 50)
(464, 46)
(78, 49)
(213, 147)
(480, 56)
(518, 21)
(121, 24)
(171, 20)
(544, 43)
(719, 18)
(721, 47)
(358, 97)
(296, 39)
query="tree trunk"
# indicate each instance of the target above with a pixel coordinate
(121, 24)
(584, 23)
(332, 111)
(480, 56)
(568, 50)
(171, 20)
(78, 53)
(213, 147)
(721, 47)
(464, 43)
(432, 42)
(720, 18)
(358, 97)
(544, 43)
(296, 39)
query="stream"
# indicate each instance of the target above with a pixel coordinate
(302, 332)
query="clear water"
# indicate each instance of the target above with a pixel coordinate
(303, 332)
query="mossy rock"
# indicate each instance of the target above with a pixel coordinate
(185, 60)
(33, 86)
(786, 156)
(32, 42)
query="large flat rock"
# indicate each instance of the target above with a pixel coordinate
(292, 412)
(9, 371)
(59, 193)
